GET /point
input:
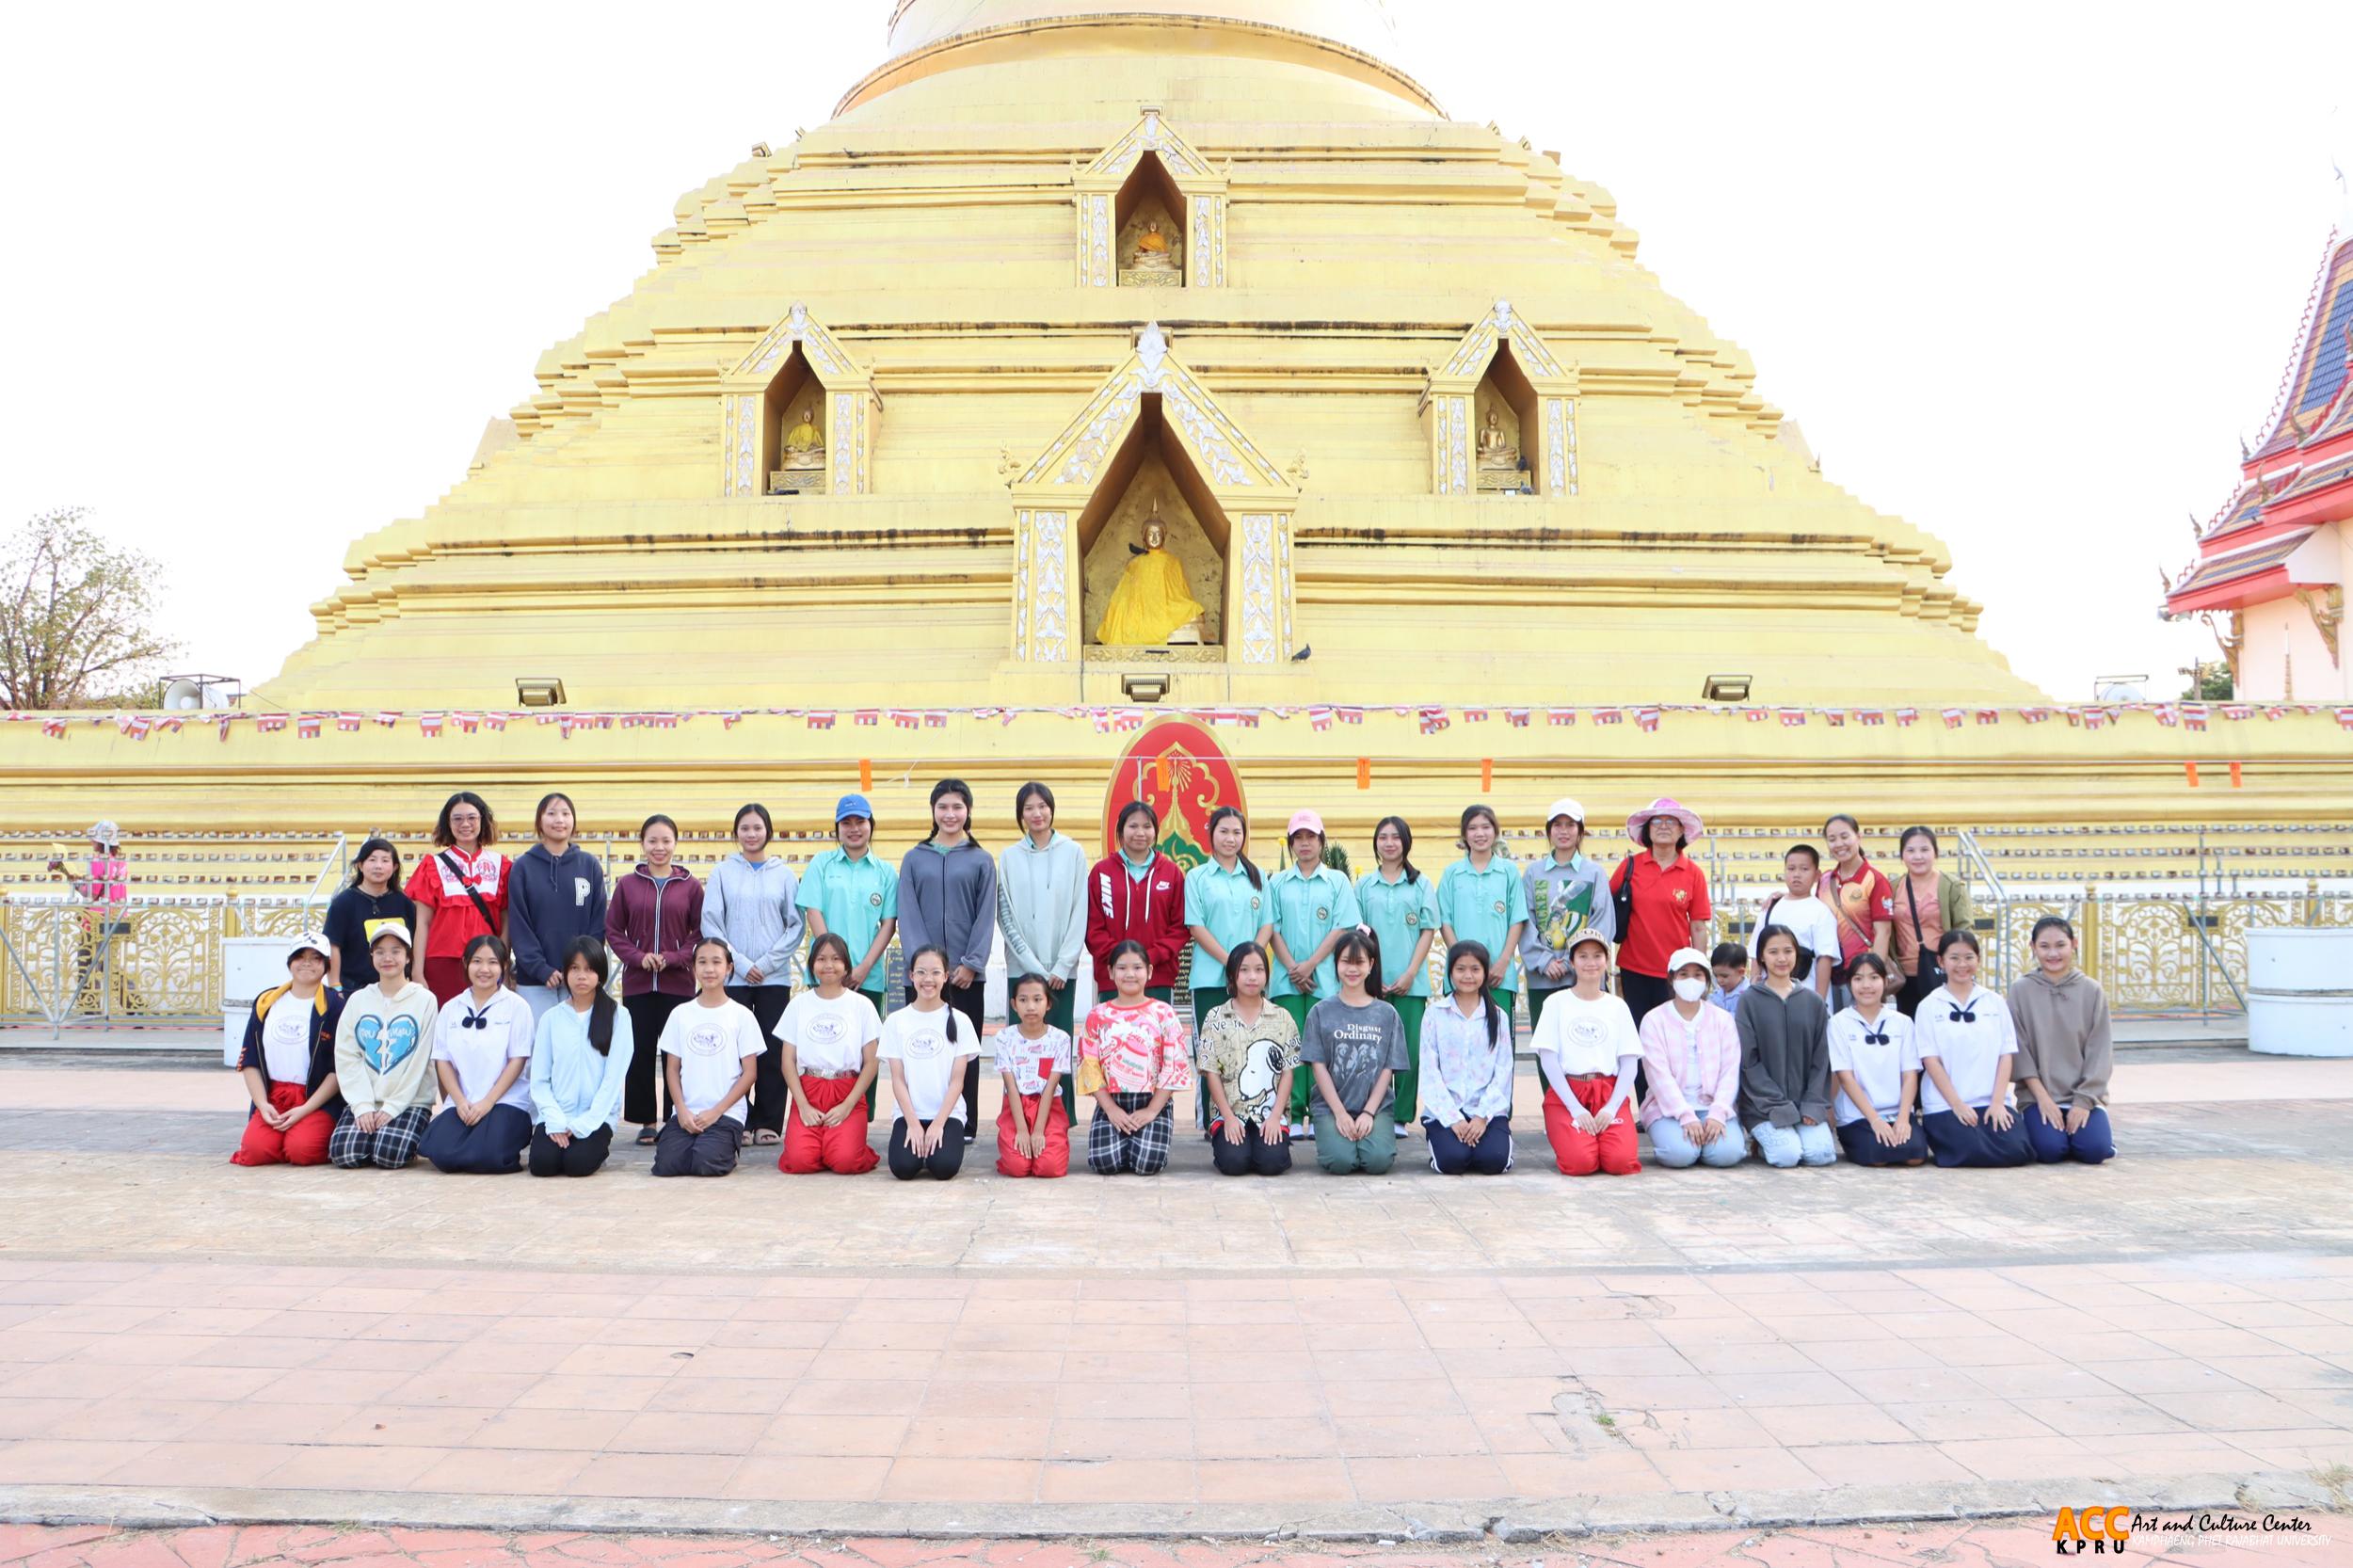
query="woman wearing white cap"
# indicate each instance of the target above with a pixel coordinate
(1567, 894)
(1313, 907)
(1692, 1057)
(288, 1062)
(1587, 1050)
(383, 1061)
(105, 885)
(1661, 898)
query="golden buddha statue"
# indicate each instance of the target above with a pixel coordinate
(801, 463)
(1495, 448)
(1153, 601)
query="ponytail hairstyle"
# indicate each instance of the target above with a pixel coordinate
(1242, 859)
(1469, 949)
(1235, 954)
(1362, 942)
(506, 958)
(951, 787)
(589, 950)
(648, 825)
(941, 953)
(1470, 814)
(1405, 846)
(1911, 833)
(719, 942)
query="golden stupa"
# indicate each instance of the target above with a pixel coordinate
(887, 418)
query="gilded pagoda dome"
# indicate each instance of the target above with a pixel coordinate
(1176, 340)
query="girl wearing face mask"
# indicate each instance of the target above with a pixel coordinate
(1928, 904)
(1968, 1047)
(481, 1049)
(1877, 1065)
(1692, 1062)
(709, 1048)
(2065, 1052)
(1586, 1049)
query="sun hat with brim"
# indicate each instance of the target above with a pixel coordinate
(1589, 935)
(1665, 806)
(393, 928)
(1685, 958)
(311, 941)
(103, 832)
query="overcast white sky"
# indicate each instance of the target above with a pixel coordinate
(2024, 273)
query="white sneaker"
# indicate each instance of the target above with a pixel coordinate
(1303, 1130)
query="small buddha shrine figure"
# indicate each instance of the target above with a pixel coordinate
(803, 459)
(1152, 257)
(1499, 464)
(1153, 601)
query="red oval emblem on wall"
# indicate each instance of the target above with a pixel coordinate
(1177, 768)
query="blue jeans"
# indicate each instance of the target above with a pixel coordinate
(1670, 1146)
(2093, 1145)
(1784, 1147)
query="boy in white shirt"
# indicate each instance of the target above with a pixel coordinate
(1806, 916)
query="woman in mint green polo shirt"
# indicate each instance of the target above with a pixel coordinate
(1481, 899)
(1313, 907)
(1401, 907)
(1226, 906)
(854, 894)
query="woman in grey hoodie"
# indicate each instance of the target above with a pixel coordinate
(2065, 1051)
(752, 903)
(948, 900)
(1041, 907)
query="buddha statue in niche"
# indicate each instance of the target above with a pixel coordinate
(1496, 449)
(801, 461)
(1153, 254)
(1153, 601)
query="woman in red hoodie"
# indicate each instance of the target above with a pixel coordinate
(1138, 895)
(652, 923)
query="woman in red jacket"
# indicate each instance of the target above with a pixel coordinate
(1138, 895)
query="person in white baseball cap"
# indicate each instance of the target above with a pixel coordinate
(1691, 1058)
(1567, 895)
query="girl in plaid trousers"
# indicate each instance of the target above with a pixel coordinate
(1132, 1060)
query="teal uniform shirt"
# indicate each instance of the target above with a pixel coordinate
(1307, 910)
(854, 897)
(1398, 912)
(1232, 909)
(1483, 907)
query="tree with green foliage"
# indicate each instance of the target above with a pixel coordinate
(77, 618)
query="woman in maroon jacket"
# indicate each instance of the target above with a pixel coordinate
(652, 923)
(1138, 895)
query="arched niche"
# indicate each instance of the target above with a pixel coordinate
(1501, 368)
(1151, 175)
(1152, 433)
(797, 370)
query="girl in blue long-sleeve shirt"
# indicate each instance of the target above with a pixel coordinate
(579, 1064)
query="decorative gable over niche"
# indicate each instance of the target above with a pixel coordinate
(1116, 190)
(796, 381)
(1503, 363)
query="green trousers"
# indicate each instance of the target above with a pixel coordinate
(1304, 1082)
(1058, 1015)
(1206, 1001)
(1409, 1011)
(1537, 996)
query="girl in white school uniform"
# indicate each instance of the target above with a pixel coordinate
(926, 1045)
(711, 1050)
(1876, 1064)
(482, 1053)
(1968, 1045)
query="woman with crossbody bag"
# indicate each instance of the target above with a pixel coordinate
(460, 892)
(1928, 904)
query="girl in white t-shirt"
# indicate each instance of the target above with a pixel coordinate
(710, 1053)
(1877, 1065)
(927, 1044)
(1586, 1049)
(1032, 1129)
(829, 1035)
(1968, 1045)
(481, 1050)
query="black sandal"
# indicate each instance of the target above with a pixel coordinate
(646, 1136)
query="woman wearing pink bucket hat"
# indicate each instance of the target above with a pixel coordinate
(1661, 898)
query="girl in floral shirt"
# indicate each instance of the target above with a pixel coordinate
(1131, 1059)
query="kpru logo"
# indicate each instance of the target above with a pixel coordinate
(2102, 1529)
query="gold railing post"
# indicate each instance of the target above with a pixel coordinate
(2088, 938)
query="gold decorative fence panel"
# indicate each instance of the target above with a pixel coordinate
(147, 961)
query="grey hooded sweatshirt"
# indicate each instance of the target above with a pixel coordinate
(754, 906)
(948, 900)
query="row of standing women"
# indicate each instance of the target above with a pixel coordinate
(1552, 920)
